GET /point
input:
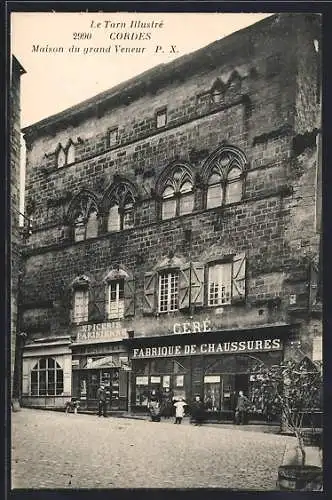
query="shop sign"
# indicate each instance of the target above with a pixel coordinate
(101, 331)
(142, 380)
(245, 346)
(192, 327)
(99, 362)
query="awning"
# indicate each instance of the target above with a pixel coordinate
(102, 363)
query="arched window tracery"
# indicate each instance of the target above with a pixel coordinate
(177, 195)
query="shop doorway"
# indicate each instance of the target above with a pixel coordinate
(242, 383)
(86, 383)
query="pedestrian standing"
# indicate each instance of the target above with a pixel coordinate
(167, 404)
(101, 397)
(197, 411)
(179, 410)
(241, 409)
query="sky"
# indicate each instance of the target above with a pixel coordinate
(91, 52)
(56, 81)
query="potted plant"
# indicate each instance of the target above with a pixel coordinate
(292, 390)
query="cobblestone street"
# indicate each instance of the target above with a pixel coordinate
(52, 450)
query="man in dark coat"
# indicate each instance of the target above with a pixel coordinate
(197, 411)
(101, 397)
(241, 408)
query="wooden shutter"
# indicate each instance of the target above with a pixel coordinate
(197, 284)
(239, 277)
(184, 286)
(97, 302)
(129, 297)
(149, 297)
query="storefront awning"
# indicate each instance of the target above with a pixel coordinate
(102, 363)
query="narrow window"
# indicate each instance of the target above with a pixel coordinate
(81, 306)
(234, 186)
(214, 192)
(168, 204)
(128, 219)
(220, 284)
(113, 137)
(161, 118)
(71, 154)
(92, 225)
(116, 300)
(61, 158)
(113, 223)
(186, 201)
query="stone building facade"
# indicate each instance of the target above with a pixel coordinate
(175, 231)
(16, 244)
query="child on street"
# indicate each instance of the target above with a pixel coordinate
(179, 410)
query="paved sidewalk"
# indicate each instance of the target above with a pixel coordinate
(254, 427)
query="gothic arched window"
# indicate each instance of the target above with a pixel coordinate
(177, 195)
(84, 216)
(71, 153)
(121, 207)
(61, 157)
(223, 173)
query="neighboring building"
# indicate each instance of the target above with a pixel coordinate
(174, 225)
(16, 244)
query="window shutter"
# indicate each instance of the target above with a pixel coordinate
(149, 299)
(129, 297)
(92, 310)
(184, 286)
(197, 284)
(239, 277)
(97, 302)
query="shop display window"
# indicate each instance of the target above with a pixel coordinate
(166, 381)
(46, 378)
(142, 391)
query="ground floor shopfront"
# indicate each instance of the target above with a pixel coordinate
(215, 369)
(100, 364)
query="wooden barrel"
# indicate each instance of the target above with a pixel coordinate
(300, 477)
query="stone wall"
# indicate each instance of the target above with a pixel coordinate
(264, 85)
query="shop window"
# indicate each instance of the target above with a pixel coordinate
(168, 292)
(80, 305)
(177, 195)
(115, 304)
(161, 118)
(226, 281)
(141, 391)
(46, 378)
